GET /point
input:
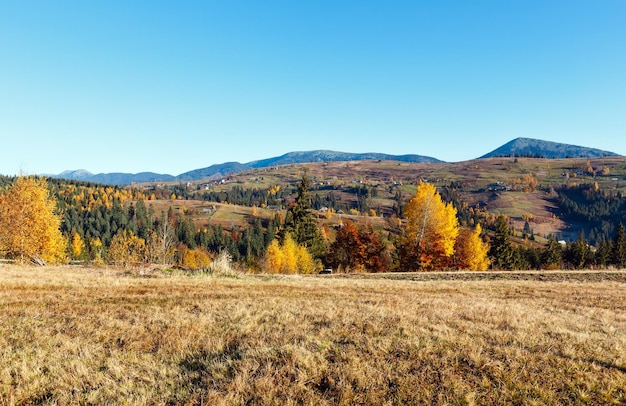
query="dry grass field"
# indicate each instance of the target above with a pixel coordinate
(101, 336)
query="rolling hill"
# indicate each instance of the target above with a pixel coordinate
(298, 158)
(520, 147)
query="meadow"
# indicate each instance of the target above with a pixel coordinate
(73, 335)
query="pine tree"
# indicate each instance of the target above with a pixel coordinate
(501, 251)
(552, 255)
(619, 247)
(578, 252)
(300, 222)
(605, 250)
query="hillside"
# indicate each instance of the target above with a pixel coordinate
(542, 198)
(533, 148)
(520, 147)
(299, 157)
(517, 187)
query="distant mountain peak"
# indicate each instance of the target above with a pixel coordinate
(535, 148)
(78, 174)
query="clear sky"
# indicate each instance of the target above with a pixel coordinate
(172, 86)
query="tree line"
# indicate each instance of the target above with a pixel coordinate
(599, 211)
(46, 221)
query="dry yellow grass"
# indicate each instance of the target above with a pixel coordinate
(76, 335)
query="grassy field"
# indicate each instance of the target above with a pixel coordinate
(100, 336)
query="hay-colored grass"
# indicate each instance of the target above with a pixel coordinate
(98, 336)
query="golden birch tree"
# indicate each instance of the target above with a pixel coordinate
(290, 255)
(29, 225)
(430, 231)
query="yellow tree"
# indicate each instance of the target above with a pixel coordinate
(472, 251)
(77, 246)
(29, 226)
(289, 257)
(127, 248)
(197, 258)
(430, 231)
(274, 257)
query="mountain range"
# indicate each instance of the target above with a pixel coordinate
(522, 147)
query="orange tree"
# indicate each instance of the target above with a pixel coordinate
(358, 248)
(29, 225)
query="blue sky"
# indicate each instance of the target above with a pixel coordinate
(131, 86)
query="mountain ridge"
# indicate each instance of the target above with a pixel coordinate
(522, 147)
(535, 148)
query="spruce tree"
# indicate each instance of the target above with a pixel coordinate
(300, 222)
(619, 247)
(552, 255)
(605, 250)
(501, 252)
(578, 252)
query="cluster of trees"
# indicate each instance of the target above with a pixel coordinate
(288, 257)
(323, 196)
(53, 221)
(600, 210)
(359, 248)
(578, 254)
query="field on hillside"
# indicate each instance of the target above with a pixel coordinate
(84, 335)
(495, 184)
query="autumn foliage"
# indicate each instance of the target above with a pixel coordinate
(196, 259)
(358, 249)
(127, 248)
(431, 230)
(471, 251)
(288, 257)
(29, 225)
(50, 221)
